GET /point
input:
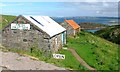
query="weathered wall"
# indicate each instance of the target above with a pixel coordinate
(56, 43)
(70, 30)
(24, 39)
(77, 30)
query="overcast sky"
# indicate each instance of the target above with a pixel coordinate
(109, 9)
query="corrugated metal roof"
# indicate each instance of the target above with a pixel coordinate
(46, 24)
(72, 23)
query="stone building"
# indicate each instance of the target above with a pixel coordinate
(25, 32)
(71, 26)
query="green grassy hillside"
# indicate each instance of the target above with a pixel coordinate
(111, 33)
(6, 19)
(97, 52)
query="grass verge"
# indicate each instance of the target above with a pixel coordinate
(70, 62)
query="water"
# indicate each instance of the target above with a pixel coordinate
(100, 20)
(92, 30)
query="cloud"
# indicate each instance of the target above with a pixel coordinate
(96, 8)
(11, 4)
(1, 4)
(98, 12)
(63, 8)
(59, 0)
(18, 4)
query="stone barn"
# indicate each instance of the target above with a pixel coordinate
(26, 32)
(71, 26)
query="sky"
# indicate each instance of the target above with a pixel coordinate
(60, 9)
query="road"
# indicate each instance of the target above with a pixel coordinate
(14, 61)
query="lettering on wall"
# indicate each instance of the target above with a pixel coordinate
(20, 26)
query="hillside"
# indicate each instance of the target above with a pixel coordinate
(6, 19)
(111, 33)
(89, 25)
(95, 51)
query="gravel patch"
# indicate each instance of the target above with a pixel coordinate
(14, 61)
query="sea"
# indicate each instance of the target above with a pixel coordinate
(101, 20)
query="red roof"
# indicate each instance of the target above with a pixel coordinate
(73, 24)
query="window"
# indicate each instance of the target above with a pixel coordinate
(7, 29)
(25, 32)
(34, 38)
(36, 21)
(14, 32)
(24, 40)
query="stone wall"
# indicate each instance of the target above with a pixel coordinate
(27, 39)
(24, 39)
(77, 30)
(56, 43)
(70, 30)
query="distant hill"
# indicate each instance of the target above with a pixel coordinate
(6, 19)
(91, 25)
(111, 33)
(82, 19)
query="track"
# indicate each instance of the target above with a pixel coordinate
(82, 62)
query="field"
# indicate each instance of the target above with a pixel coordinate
(97, 52)
(6, 19)
(69, 62)
(111, 33)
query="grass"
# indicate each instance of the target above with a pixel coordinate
(0, 26)
(97, 52)
(70, 62)
(5, 20)
(111, 33)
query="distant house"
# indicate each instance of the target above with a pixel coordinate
(71, 26)
(25, 32)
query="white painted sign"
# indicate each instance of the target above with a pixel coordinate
(20, 26)
(58, 56)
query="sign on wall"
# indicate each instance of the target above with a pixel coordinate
(58, 56)
(20, 26)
